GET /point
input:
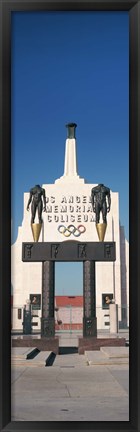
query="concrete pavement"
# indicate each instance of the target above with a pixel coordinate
(70, 389)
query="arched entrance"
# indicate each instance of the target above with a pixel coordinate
(49, 253)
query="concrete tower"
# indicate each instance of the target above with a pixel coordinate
(70, 163)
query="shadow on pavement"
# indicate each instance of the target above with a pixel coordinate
(68, 350)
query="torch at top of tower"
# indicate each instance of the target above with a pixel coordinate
(71, 130)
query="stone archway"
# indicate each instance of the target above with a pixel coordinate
(49, 253)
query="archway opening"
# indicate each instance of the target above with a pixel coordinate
(68, 297)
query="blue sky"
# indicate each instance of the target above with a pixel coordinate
(70, 67)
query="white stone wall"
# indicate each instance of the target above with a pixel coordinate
(127, 279)
(124, 252)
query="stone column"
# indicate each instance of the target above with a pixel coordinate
(48, 320)
(89, 318)
(113, 318)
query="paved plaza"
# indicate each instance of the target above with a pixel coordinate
(89, 387)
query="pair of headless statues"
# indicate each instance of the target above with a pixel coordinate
(100, 196)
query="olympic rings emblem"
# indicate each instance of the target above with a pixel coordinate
(71, 229)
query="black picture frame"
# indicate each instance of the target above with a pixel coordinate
(105, 305)
(6, 7)
(35, 301)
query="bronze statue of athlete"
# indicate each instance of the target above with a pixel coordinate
(36, 194)
(100, 194)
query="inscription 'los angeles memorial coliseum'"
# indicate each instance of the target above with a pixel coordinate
(69, 209)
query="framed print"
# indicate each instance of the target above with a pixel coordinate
(35, 301)
(106, 300)
(70, 230)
